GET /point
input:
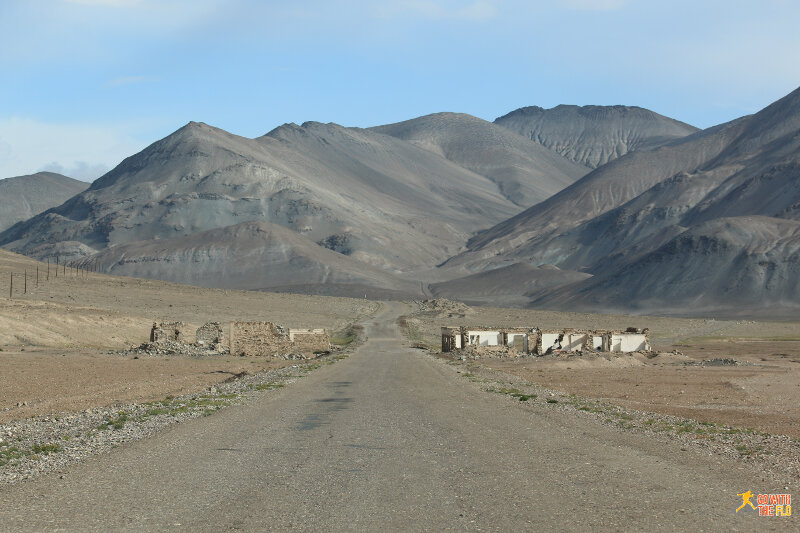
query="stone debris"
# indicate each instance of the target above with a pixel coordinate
(718, 361)
(444, 307)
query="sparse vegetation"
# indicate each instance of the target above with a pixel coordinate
(347, 336)
(413, 333)
(117, 422)
(45, 449)
(272, 385)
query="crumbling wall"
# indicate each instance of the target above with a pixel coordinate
(258, 339)
(309, 341)
(451, 339)
(599, 342)
(168, 331)
(549, 341)
(575, 341)
(484, 338)
(629, 342)
(541, 342)
(210, 335)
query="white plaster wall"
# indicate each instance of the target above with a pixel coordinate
(597, 342)
(488, 338)
(628, 342)
(632, 342)
(458, 341)
(549, 340)
(616, 343)
(573, 341)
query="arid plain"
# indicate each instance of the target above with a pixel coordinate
(59, 339)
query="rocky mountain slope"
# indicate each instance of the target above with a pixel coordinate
(594, 135)
(525, 172)
(250, 255)
(723, 196)
(26, 196)
(511, 286)
(349, 198)
(745, 266)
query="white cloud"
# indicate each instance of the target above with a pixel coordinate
(77, 150)
(80, 170)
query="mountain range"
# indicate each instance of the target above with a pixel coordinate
(706, 222)
(592, 208)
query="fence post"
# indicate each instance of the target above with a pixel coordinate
(25, 289)
(37, 275)
(48, 269)
(11, 286)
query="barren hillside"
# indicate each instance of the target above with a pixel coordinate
(594, 135)
(718, 202)
(26, 196)
(524, 171)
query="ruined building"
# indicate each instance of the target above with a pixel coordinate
(542, 341)
(246, 338)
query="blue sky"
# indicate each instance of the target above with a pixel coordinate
(86, 83)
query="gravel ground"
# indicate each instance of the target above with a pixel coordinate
(50, 443)
(777, 456)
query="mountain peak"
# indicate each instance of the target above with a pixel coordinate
(593, 135)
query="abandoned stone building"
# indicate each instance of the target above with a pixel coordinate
(542, 341)
(210, 335)
(268, 339)
(247, 338)
(169, 331)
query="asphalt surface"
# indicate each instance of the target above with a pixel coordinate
(390, 440)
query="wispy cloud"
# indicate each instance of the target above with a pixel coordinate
(82, 151)
(594, 5)
(106, 3)
(79, 170)
(432, 9)
(126, 80)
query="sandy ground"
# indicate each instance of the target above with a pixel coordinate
(48, 381)
(55, 339)
(761, 392)
(113, 311)
(764, 396)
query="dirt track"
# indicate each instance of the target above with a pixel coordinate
(390, 439)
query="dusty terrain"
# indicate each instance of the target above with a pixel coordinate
(761, 391)
(55, 340)
(390, 439)
(52, 380)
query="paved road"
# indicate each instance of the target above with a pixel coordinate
(388, 440)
